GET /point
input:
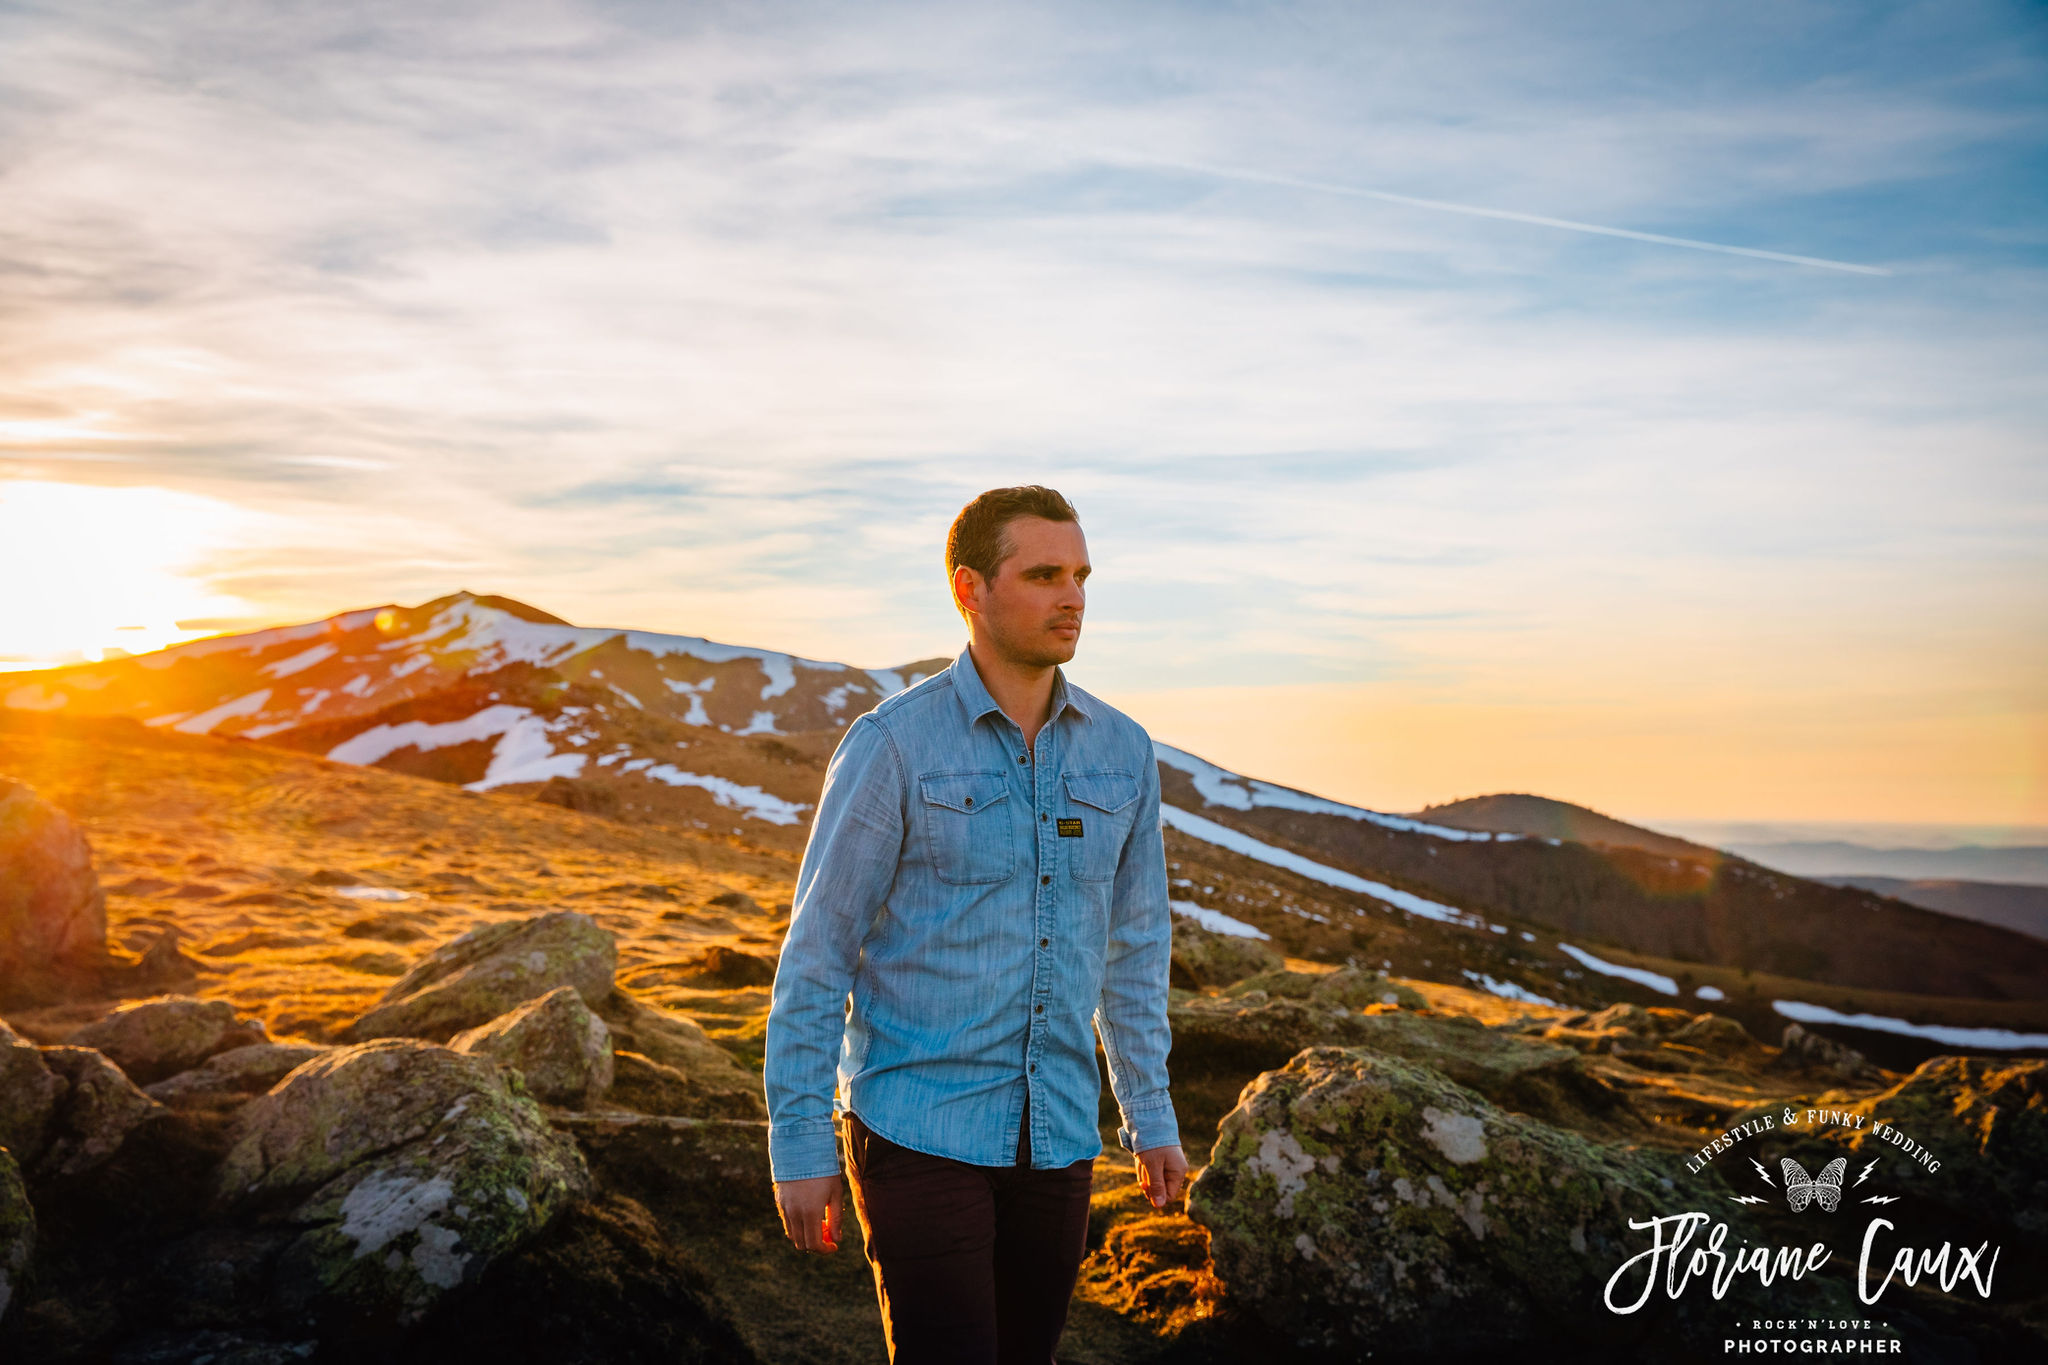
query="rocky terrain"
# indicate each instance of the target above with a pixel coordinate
(312, 1058)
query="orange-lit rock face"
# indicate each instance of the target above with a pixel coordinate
(52, 913)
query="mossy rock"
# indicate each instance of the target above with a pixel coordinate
(29, 1091)
(488, 971)
(407, 1169)
(1985, 1119)
(155, 1039)
(1364, 1204)
(1202, 957)
(562, 1049)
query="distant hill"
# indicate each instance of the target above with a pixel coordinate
(2024, 908)
(1832, 858)
(1541, 817)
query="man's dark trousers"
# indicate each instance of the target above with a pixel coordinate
(974, 1265)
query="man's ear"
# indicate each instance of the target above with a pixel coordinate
(967, 589)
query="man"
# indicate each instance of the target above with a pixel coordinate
(985, 879)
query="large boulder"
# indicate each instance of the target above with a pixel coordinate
(1985, 1119)
(1202, 957)
(563, 1050)
(152, 1039)
(406, 1169)
(29, 1092)
(99, 1108)
(1364, 1204)
(684, 1072)
(249, 1070)
(53, 914)
(17, 1228)
(490, 970)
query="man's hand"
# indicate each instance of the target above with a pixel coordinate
(1162, 1171)
(810, 1211)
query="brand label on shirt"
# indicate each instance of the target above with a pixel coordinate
(1070, 829)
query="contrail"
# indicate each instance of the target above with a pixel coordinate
(1511, 216)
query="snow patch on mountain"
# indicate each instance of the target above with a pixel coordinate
(1506, 990)
(300, 662)
(380, 741)
(248, 705)
(524, 754)
(1221, 787)
(1208, 831)
(1948, 1035)
(1642, 976)
(32, 697)
(1215, 920)
(751, 801)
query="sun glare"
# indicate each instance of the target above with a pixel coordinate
(97, 572)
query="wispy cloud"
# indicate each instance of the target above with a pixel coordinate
(709, 318)
(1511, 216)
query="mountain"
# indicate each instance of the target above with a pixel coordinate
(2021, 908)
(1541, 817)
(1530, 900)
(487, 692)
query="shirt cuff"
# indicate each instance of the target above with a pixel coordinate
(803, 1149)
(1153, 1126)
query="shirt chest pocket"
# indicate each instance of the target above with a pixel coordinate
(967, 825)
(1100, 806)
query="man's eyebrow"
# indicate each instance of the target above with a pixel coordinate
(1049, 568)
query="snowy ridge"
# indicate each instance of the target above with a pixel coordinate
(1209, 832)
(1221, 787)
(357, 663)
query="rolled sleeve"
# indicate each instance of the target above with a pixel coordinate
(848, 867)
(1131, 1016)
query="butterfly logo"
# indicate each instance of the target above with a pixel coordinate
(1825, 1188)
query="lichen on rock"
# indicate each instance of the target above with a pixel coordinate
(562, 1049)
(408, 1168)
(1361, 1202)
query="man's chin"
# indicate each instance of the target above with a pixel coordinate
(1053, 651)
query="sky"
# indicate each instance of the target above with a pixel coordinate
(1641, 404)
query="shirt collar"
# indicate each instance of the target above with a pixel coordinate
(974, 697)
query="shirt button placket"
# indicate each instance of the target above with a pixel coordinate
(1048, 853)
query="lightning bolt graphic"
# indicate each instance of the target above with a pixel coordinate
(1881, 1199)
(1762, 1172)
(1866, 1172)
(1749, 1199)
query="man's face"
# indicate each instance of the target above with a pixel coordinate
(1031, 610)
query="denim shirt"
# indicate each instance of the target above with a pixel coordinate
(983, 905)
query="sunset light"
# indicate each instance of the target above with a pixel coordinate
(99, 572)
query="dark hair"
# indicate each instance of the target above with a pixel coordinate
(980, 537)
